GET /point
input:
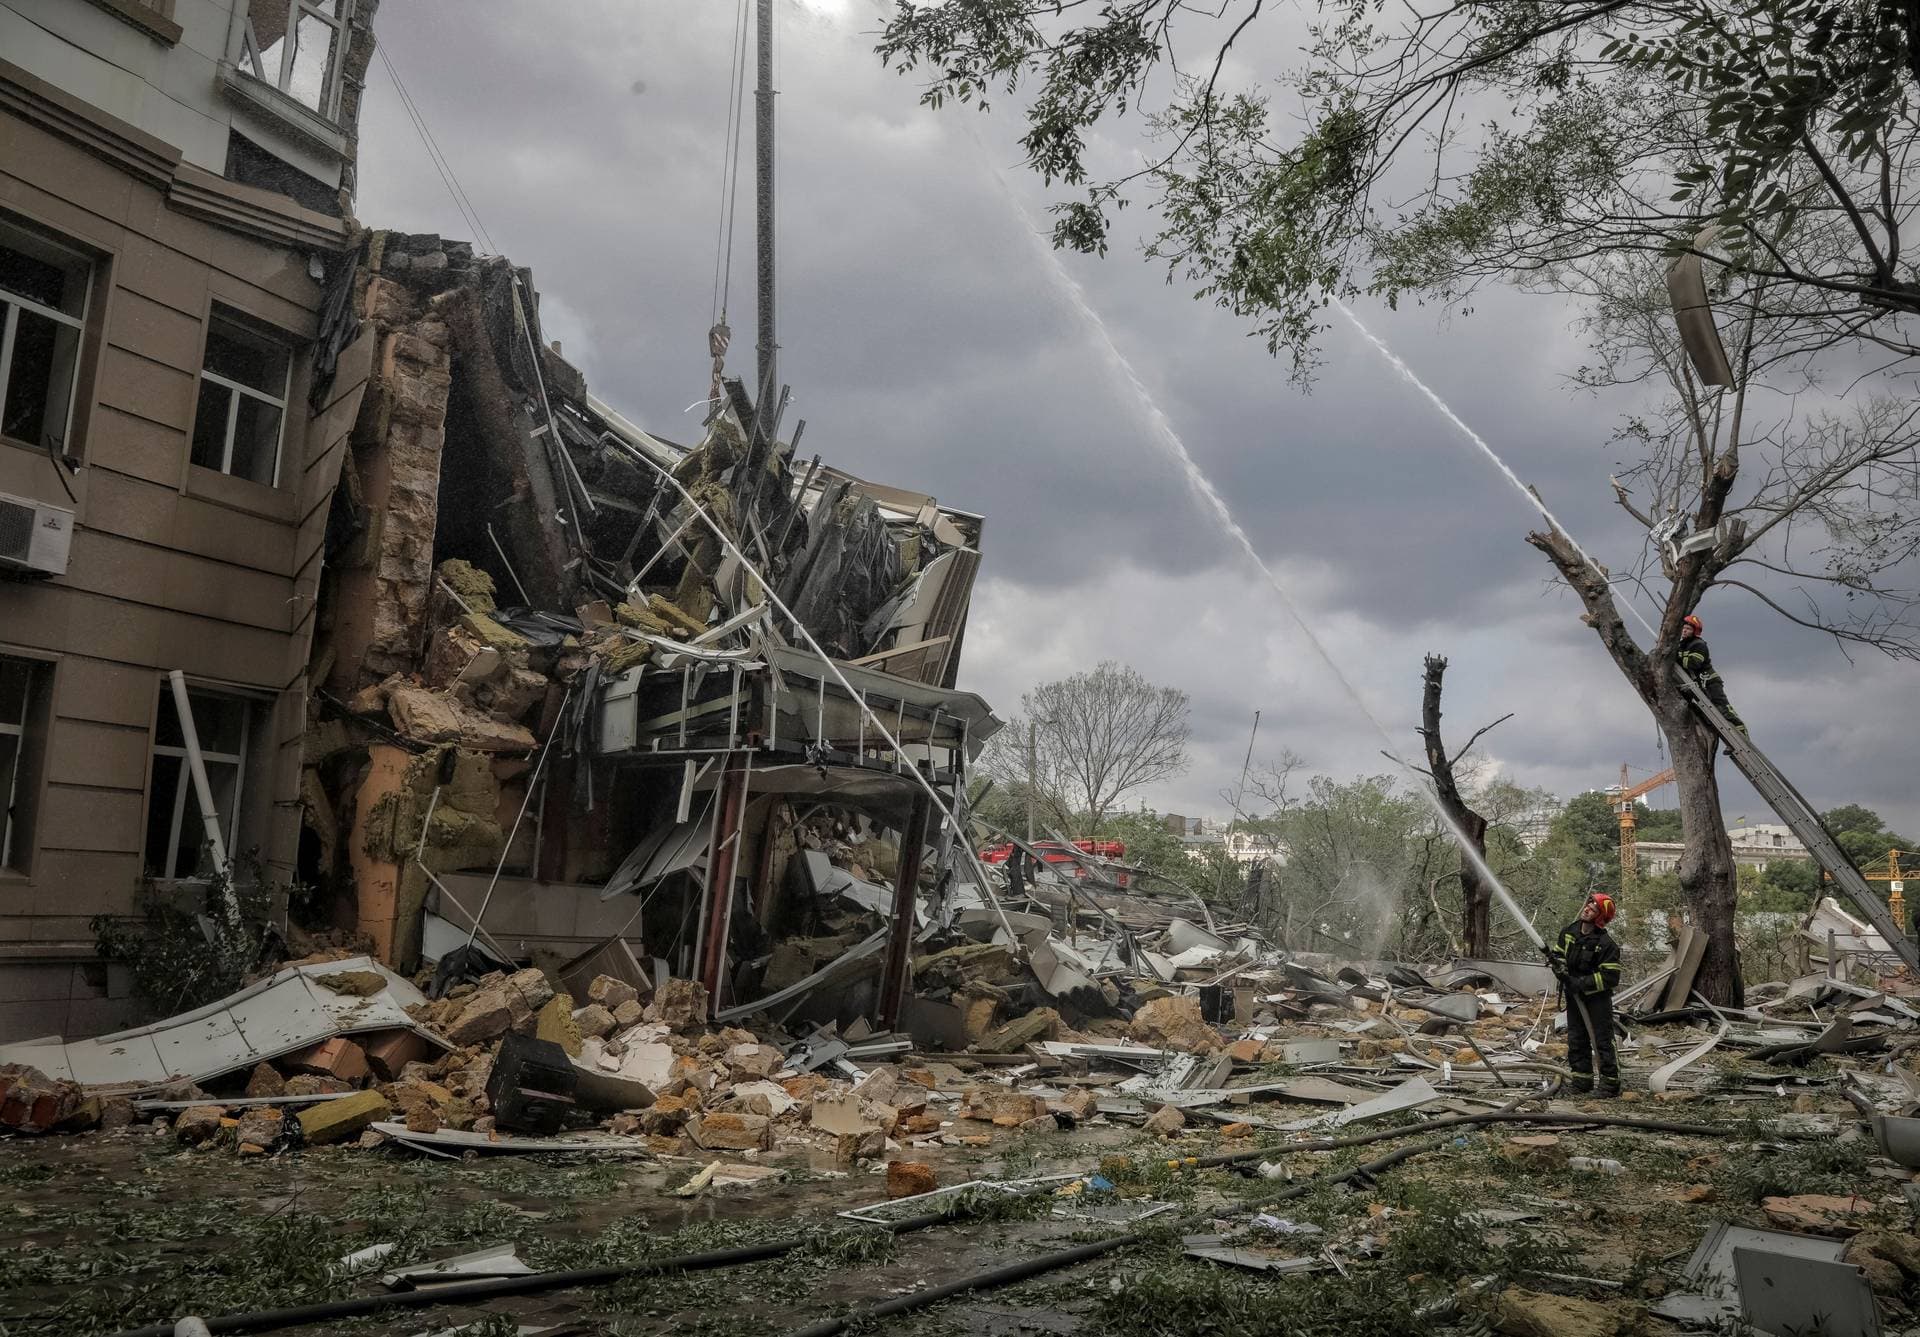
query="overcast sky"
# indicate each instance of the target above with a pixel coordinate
(930, 348)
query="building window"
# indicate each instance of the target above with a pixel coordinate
(297, 46)
(43, 307)
(22, 683)
(243, 402)
(176, 832)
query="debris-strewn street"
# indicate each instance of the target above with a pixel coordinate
(1357, 1161)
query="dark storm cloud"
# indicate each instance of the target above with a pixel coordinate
(928, 348)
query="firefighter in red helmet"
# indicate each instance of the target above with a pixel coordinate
(1587, 960)
(1697, 663)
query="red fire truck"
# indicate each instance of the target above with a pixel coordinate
(1063, 864)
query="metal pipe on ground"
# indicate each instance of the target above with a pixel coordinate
(991, 1279)
(269, 1320)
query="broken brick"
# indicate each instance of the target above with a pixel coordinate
(338, 1058)
(730, 1132)
(909, 1179)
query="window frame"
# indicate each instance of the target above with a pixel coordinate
(17, 732)
(22, 793)
(231, 317)
(14, 303)
(184, 782)
(335, 80)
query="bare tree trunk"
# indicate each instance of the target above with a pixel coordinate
(1476, 897)
(1709, 877)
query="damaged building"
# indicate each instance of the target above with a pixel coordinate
(556, 700)
(322, 567)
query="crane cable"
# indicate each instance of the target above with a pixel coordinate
(730, 166)
(448, 177)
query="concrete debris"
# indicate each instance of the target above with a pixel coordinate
(336, 1120)
(31, 1102)
(1523, 1313)
(1166, 1121)
(909, 1179)
(720, 1131)
(1820, 1213)
(198, 1125)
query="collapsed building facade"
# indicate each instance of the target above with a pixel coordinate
(320, 567)
(554, 674)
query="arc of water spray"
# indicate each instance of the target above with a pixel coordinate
(1163, 434)
(1479, 442)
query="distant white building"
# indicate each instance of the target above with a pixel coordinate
(1198, 838)
(1247, 848)
(1754, 846)
(1768, 836)
(1531, 829)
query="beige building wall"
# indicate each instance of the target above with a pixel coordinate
(173, 566)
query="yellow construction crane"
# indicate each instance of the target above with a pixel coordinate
(1623, 801)
(1896, 901)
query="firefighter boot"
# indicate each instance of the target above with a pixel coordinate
(1607, 1090)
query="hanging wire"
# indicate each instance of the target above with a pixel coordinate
(448, 177)
(729, 181)
(733, 152)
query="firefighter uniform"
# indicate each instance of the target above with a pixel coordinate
(1697, 663)
(1589, 963)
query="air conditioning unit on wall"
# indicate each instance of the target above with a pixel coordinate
(34, 537)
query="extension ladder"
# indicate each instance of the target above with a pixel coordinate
(1798, 814)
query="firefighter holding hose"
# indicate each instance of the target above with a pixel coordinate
(1587, 961)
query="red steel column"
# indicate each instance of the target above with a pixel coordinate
(722, 856)
(906, 888)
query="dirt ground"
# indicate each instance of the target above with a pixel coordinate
(110, 1231)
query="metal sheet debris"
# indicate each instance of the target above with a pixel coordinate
(1786, 1296)
(499, 1260)
(1710, 1271)
(287, 1011)
(452, 1142)
(1667, 1072)
(1410, 1094)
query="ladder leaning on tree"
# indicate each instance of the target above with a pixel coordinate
(1805, 823)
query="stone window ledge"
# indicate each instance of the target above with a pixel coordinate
(146, 18)
(287, 113)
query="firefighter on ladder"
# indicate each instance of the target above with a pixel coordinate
(1697, 663)
(1587, 961)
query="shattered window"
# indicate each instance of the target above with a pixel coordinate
(243, 400)
(18, 678)
(296, 46)
(177, 844)
(43, 307)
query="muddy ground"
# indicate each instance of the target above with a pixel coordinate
(108, 1231)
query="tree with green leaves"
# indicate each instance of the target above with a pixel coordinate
(1356, 870)
(1420, 151)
